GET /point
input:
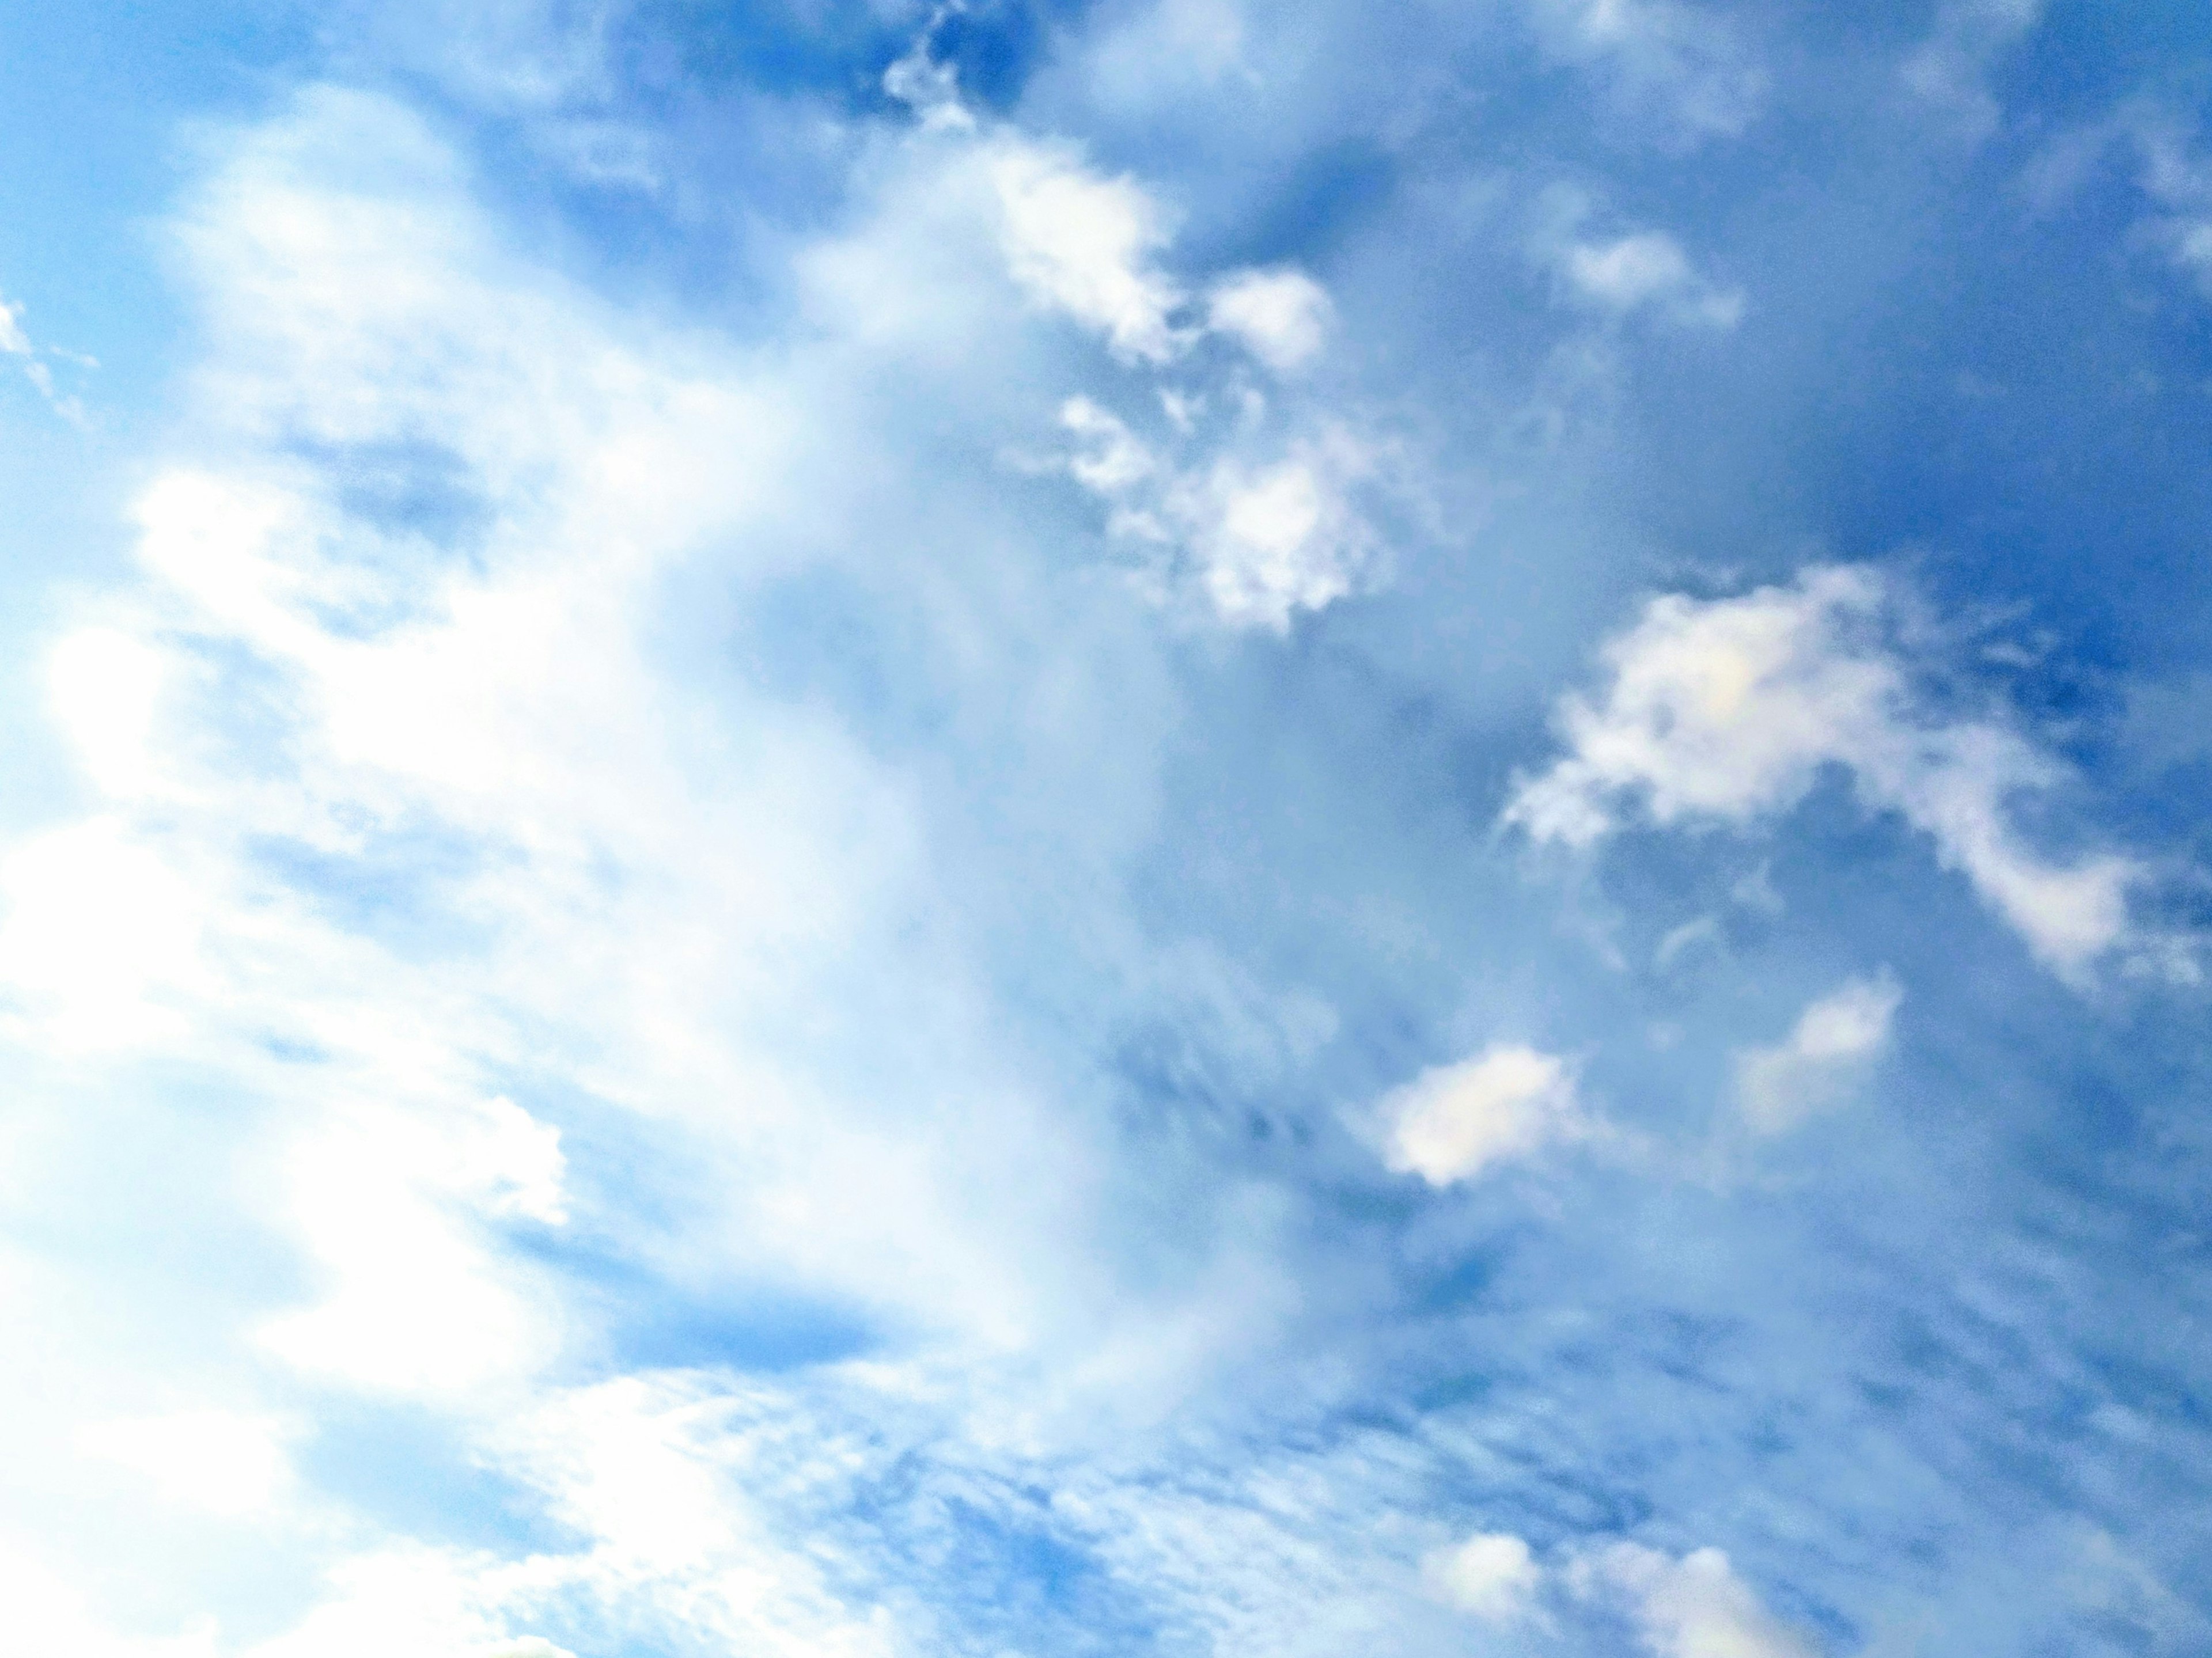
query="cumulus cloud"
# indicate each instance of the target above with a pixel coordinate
(1694, 1607)
(1280, 315)
(1085, 243)
(1638, 273)
(1648, 271)
(1825, 1055)
(1691, 1606)
(1492, 1576)
(1507, 1103)
(1261, 531)
(1727, 710)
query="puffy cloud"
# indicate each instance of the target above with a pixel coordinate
(1453, 1121)
(1726, 710)
(1492, 1576)
(1281, 316)
(1648, 270)
(46, 1612)
(1695, 1606)
(1260, 533)
(1085, 245)
(1824, 1055)
(1641, 272)
(228, 1463)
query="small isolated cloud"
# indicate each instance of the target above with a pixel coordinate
(1683, 65)
(1281, 316)
(1453, 1121)
(1950, 69)
(1825, 1056)
(1648, 271)
(1491, 1576)
(1636, 274)
(1084, 244)
(1261, 537)
(1726, 711)
(1693, 1608)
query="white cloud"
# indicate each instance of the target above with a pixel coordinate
(1261, 537)
(1648, 271)
(13, 340)
(47, 1613)
(1085, 245)
(1695, 1606)
(1280, 315)
(1684, 65)
(1491, 1576)
(1825, 1055)
(1727, 710)
(1454, 1121)
(231, 1464)
(1950, 69)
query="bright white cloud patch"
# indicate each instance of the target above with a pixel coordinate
(1727, 710)
(1085, 245)
(1648, 270)
(1454, 1121)
(1825, 1054)
(1281, 316)
(225, 1463)
(1695, 1606)
(1492, 1576)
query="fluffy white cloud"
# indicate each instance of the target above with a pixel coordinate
(1262, 536)
(1492, 1576)
(1825, 1054)
(47, 1613)
(1728, 709)
(1281, 315)
(1695, 1606)
(226, 1463)
(1453, 1121)
(1085, 245)
(1648, 270)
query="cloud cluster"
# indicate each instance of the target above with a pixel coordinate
(1693, 1606)
(1251, 507)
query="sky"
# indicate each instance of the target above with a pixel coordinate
(1040, 829)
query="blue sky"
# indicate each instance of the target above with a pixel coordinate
(1136, 829)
